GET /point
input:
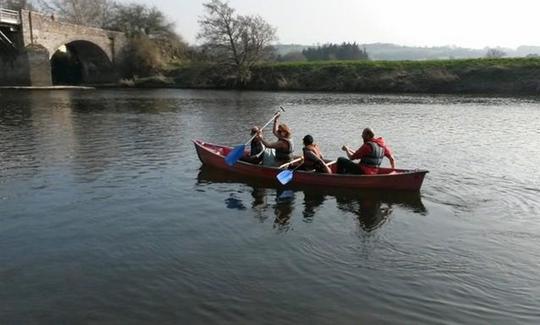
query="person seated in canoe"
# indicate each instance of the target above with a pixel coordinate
(371, 154)
(283, 147)
(256, 150)
(313, 158)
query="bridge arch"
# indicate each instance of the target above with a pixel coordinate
(80, 61)
(96, 42)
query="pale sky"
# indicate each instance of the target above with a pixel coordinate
(465, 23)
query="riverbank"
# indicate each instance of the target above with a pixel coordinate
(497, 76)
(47, 87)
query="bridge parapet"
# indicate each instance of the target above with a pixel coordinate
(10, 17)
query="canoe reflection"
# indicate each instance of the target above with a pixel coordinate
(371, 208)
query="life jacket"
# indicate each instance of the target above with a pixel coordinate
(309, 163)
(285, 155)
(376, 156)
(257, 148)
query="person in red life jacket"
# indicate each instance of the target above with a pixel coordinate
(313, 158)
(283, 146)
(371, 154)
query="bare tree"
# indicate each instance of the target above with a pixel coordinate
(16, 4)
(495, 53)
(95, 13)
(136, 20)
(239, 41)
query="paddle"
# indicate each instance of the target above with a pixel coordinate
(287, 175)
(238, 151)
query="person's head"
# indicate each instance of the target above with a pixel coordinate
(308, 140)
(254, 130)
(368, 134)
(284, 131)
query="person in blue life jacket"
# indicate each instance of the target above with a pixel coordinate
(283, 146)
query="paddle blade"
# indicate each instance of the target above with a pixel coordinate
(235, 154)
(285, 176)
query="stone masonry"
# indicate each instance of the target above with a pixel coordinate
(39, 36)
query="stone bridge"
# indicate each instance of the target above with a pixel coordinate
(39, 50)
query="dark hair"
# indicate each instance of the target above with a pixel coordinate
(368, 132)
(308, 139)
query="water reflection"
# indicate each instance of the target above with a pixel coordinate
(372, 213)
(260, 202)
(370, 208)
(312, 200)
(283, 208)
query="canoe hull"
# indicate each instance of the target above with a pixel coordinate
(214, 156)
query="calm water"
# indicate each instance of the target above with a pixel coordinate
(106, 215)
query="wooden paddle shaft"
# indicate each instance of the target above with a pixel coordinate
(273, 117)
(291, 162)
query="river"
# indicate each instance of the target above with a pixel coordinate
(107, 216)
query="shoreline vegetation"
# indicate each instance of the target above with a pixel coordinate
(471, 76)
(236, 52)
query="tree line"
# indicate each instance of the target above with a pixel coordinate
(344, 51)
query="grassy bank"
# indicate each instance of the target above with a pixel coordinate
(505, 76)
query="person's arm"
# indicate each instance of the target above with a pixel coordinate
(310, 155)
(328, 170)
(363, 151)
(392, 161)
(276, 124)
(348, 151)
(320, 153)
(388, 154)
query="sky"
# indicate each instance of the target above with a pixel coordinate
(463, 23)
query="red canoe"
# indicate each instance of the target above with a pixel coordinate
(392, 179)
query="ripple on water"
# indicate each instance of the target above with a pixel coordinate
(103, 212)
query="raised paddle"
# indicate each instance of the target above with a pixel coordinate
(237, 152)
(287, 175)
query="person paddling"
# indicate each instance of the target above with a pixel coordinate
(256, 148)
(371, 154)
(283, 146)
(313, 158)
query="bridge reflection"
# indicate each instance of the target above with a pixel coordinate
(371, 208)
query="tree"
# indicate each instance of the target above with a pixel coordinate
(149, 27)
(291, 57)
(83, 12)
(495, 53)
(345, 51)
(141, 58)
(235, 40)
(17, 4)
(136, 19)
